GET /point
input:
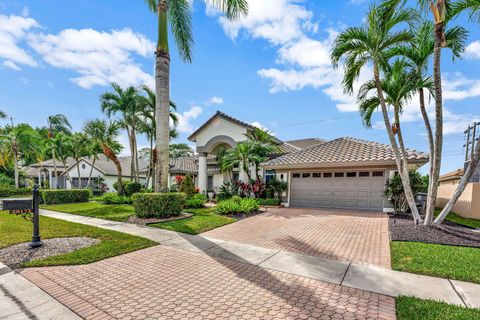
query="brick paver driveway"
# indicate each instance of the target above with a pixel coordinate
(355, 236)
(168, 283)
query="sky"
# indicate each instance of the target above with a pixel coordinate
(271, 68)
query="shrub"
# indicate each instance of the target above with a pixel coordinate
(278, 187)
(237, 205)
(66, 196)
(131, 187)
(8, 190)
(159, 205)
(115, 186)
(196, 201)
(115, 198)
(394, 190)
(187, 186)
(258, 188)
(6, 180)
(269, 202)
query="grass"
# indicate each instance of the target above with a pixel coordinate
(115, 212)
(412, 308)
(453, 217)
(15, 229)
(453, 262)
(204, 219)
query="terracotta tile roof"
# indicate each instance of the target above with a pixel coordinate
(306, 143)
(342, 151)
(183, 165)
(457, 174)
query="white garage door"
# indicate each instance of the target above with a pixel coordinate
(359, 190)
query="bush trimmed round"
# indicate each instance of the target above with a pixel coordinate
(159, 205)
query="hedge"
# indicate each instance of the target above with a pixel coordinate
(66, 196)
(269, 202)
(114, 198)
(159, 205)
(238, 205)
(8, 190)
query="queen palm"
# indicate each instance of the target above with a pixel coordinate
(419, 54)
(55, 124)
(81, 145)
(124, 103)
(242, 156)
(177, 15)
(64, 146)
(371, 44)
(105, 134)
(263, 144)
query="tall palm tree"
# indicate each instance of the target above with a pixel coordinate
(148, 103)
(371, 43)
(17, 141)
(64, 146)
(56, 123)
(105, 134)
(92, 153)
(242, 156)
(419, 54)
(3, 115)
(177, 14)
(81, 143)
(471, 7)
(124, 103)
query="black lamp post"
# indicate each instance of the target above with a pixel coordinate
(36, 240)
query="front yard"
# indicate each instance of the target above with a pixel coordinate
(15, 229)
(115, 212)
(409, 308)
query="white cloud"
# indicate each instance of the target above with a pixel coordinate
(457, 87)
(98, 57)
(473, 50)
(185, 118)
(11, 65)
(13, 30)
(216, 100)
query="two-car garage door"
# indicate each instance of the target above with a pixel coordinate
(359, 190)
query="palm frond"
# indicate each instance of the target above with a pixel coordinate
(233, 9)
(456, 38)
(367, 107)
(180, 18)
(471, 7)
(152, 5)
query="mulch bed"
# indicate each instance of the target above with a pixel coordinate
(403, 228)
(14, 256)
(144, 221)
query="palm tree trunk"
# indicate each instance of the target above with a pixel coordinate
(68, 175)
(402, 170)
(132, 153)
(461, 186)
(78, 174)
(91, 172)
(54, 185)
(162, 107)
(438, 144)
(15, 167)
(111, 155)
(400, 137)
(150, 162)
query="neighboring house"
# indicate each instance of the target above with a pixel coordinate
(345, 173)
(44, 171)
(468, 205)
(101, 168)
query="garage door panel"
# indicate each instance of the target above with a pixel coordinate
(362, 193)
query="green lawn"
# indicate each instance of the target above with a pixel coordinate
(459, 263)
(453, 217)
(116, 212)
(412, 308)
(204, 219)
(14, 229)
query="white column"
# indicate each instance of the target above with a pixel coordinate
(202, 172)
(39, 178)
(50, 179)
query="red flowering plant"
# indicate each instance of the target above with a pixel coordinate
(245, 189)
(178, 180)
(258, 188)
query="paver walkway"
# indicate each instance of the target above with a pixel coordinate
(353, 236)
(169, 283)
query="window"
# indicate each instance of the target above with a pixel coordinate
(296, 175)
(316, 175)
(327, 175)
(281, 177)
(377, 174)
(269, 175)
(306, 175)
(339, 175)
(351, 174)
(83, 166)
(364, 174)
(210, 183)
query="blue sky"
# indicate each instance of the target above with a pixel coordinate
(271, 68)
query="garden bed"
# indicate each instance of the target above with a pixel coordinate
(16, 255)
(403, 228)
(144, 221)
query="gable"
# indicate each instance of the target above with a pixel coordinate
(85, 168)
(220, 126)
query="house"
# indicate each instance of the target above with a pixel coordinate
(44, 172)
(468, 205)
(345, 173)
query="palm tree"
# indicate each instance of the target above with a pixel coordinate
(263, 144)
(81, 147)
(148, 103)
(3, 115)
(243, 156)
(472, 7)
(177, 14)
(371, 44)
(105, 134)
(124, 102)
(17, 141)
(419, 54)
(56, 123)
(92, 153)
(63, 145)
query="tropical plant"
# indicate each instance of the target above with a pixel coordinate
(81, 144)
(55, 124)
(15, 142)
(63, 145)
(395, 193)
(443, 11)
(278, 186)
(3, 115)
(371, 43)
(244, 155)
(187, 186)
(178, 150)
(177, 14)
(105, 134)
(263, 144)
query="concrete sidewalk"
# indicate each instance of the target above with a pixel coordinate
(21, 299)
(369, 278)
